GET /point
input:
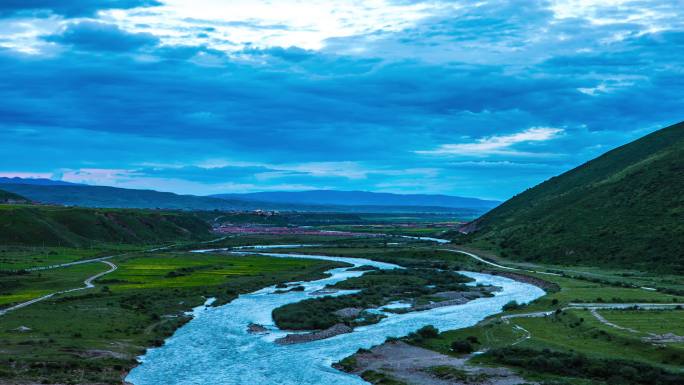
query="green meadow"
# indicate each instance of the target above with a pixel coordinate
(25, 257)
(648, 321)
(15, 288)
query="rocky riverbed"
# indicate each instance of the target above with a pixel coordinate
(413, 365)
(332, 331)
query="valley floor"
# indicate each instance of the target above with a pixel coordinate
(93, 336)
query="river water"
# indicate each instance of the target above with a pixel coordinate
(215, 347)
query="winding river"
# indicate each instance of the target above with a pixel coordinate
(215, 347)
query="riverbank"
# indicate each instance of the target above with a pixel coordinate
(403, 363)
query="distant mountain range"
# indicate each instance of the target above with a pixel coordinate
(55, 192)
(104, 196)
(36, 181)
(362, 198)
(624, 208)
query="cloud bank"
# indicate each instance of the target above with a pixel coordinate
(482, 99)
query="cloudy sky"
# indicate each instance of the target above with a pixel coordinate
(473, 98)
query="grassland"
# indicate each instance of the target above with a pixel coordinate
(16, 288)
(13, 258)
(648, 321)
(93, 336)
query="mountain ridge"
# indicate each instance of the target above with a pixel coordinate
(114, 197)
(626, 207)
(362, 198)
(36, 181)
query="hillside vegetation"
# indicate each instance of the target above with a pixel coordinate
(104, 196)
(625, 208)
(79, 227)
(8, 197)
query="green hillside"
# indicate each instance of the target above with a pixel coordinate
(8, 197)
(625, 208)
(104, 196)
(79, 227)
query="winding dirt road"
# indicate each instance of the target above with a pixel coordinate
(89, 281)
(490, 263)
(88, 284)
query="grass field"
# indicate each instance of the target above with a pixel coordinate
(177, 270)
(576, 290)
(19, 288)
(23, 257)
(575, 330)
(648, 321)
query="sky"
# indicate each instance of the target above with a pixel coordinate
(470, 98)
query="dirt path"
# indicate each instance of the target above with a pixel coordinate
(526, 337)
(604, 321)
(593, 309)
(89, 281)
(490, 263)
(101, 259)
(88, 284)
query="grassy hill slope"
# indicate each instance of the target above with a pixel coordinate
(624, 208)
(78, 227)
(103, 196)
(6, 197)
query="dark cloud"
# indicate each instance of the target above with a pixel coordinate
(96, 36)
(67, 8)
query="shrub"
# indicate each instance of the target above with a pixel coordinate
(513, 305)
(462, 347)
(428, 331)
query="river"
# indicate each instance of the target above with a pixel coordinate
(215, 347)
